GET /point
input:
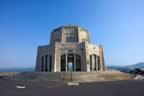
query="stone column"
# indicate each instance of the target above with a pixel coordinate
(38, 61)
(66, 62)
(58, 59)
(93, 62)
(55, 57)
(74, 62)
(86, 57)
(53, 66)
(101, 58)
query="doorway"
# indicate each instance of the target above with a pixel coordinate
(70, 64)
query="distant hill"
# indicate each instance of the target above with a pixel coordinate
(138, 65)
(127, 68)
(119, 68)
(17, 70)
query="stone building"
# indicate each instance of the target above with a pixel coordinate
(70, 49)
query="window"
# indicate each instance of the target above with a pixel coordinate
(78, 63)
(70, 51)
(42, 66)
(71, 36)
(46, 63)
(50, 63)
(70, 39)
(63, 63)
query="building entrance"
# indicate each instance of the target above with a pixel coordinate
(70, 64)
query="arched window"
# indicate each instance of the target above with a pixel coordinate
(95, 63)
(50, 63)
(98, 62)
(42, 63)
(46, 63)
(63, 63)
(91, 62)
(78, 62)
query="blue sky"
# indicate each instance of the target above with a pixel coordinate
(116, 24)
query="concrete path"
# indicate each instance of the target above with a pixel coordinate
(117, 88)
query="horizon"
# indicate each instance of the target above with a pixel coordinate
(34, 66)
(115, 24)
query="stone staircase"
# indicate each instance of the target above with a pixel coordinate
(73, 76)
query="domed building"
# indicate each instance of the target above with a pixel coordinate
(70, 49)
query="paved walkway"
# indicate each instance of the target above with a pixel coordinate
(117, 88)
